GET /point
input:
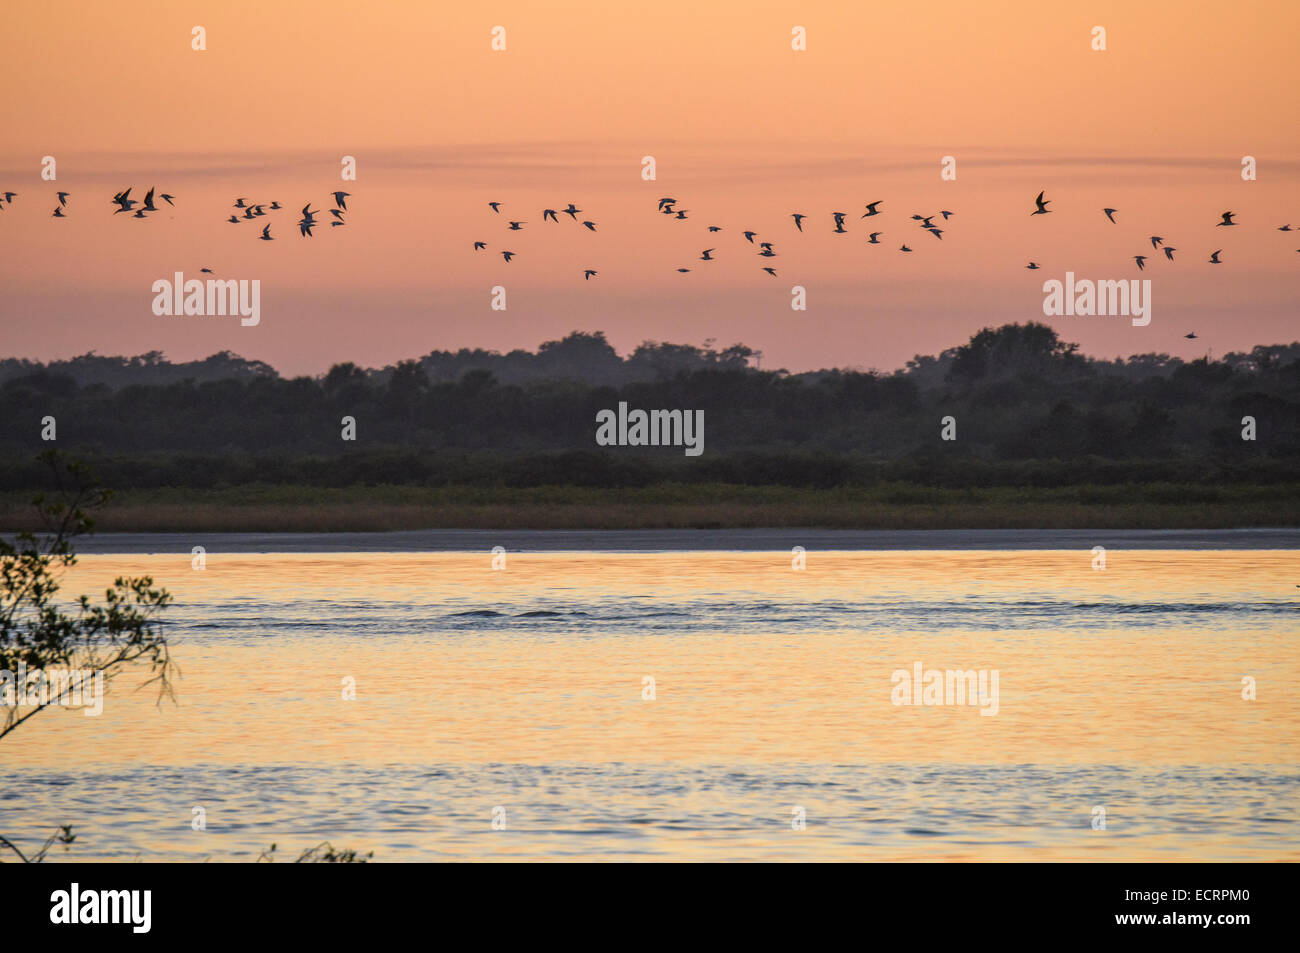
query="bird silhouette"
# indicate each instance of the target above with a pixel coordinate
(266, 234)
(667, 205)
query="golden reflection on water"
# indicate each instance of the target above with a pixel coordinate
(781, 693)
(762, 674)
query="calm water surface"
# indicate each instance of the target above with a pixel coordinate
(523, 690)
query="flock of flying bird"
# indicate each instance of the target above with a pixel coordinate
(139, 209)
(666, 206)
(927, 223)
(255, 210)
(548, 214)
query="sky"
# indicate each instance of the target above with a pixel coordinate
(744, 131)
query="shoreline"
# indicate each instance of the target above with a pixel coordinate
(693, 540)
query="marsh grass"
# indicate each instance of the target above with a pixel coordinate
(281, 508)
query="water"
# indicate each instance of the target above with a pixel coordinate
(523, 692)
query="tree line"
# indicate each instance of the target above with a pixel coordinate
(1027, 408)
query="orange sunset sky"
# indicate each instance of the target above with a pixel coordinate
(744, 131)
